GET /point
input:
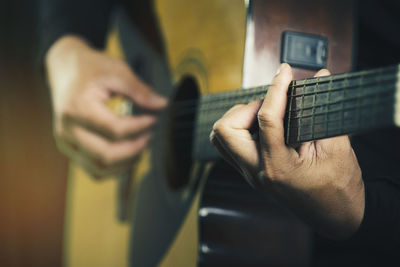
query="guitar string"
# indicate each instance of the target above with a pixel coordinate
(204, 132)
(185, 126)
(257, 91)
(303, 137)
(221, 108)
(294, 85)
(177, 107)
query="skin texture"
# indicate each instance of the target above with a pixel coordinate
(82, 80)
(320, 181)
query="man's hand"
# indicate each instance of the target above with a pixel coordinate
(82, 80)
(320, 180)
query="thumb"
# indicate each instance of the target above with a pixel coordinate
(272, 112)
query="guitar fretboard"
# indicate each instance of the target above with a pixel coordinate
(317, 108)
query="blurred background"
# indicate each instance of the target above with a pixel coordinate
(32, 172)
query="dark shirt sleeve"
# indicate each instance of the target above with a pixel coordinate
(88, 19)
(381, 223)
(378, 152)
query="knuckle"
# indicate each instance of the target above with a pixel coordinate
(276, 82)
(212, 137)
(265, 117)
(219, 127)
(239, 106)
(272, 174)
(116, 130)
(234, 108)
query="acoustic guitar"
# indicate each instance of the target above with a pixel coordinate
(189, 208)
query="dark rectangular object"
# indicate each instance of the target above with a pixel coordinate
(304, 50)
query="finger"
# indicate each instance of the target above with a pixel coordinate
(241, 117)
(128, 84)
(98, 118)
(222, 150)
(272, 112)
(107, 153)
(248, 172)
(232, 131)
(99, 170)
(322, 72)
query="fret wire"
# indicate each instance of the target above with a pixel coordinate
(204, 131)
(330, 121)
(376, 99)
(313, 109)
(343, 97)
(333, 132)
(211, 120)
(327, 108)
(354, 75)
(306, 82)
(234, 94)
(367, 95)
(346, 88)
(332, 111)
(327, 112)
(289, 113)
(348, 99)
(336, 131)
(301, 114)
(234, 97)
(358, 111)
(384, 104)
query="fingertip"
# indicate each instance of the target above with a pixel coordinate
(284, 68)
(322, 72)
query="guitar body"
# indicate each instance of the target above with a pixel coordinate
(185, 211)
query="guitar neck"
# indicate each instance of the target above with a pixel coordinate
(317, 108)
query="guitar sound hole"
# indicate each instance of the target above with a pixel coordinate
(182, 116)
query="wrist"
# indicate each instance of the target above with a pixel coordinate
(61, 65)
(346, 213)
(64, 47)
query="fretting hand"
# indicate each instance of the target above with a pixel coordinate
(319, 180)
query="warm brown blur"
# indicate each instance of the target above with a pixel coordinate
(32, 172)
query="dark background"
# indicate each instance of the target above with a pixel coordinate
(32, 172)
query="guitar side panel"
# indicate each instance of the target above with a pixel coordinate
(331, 19)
